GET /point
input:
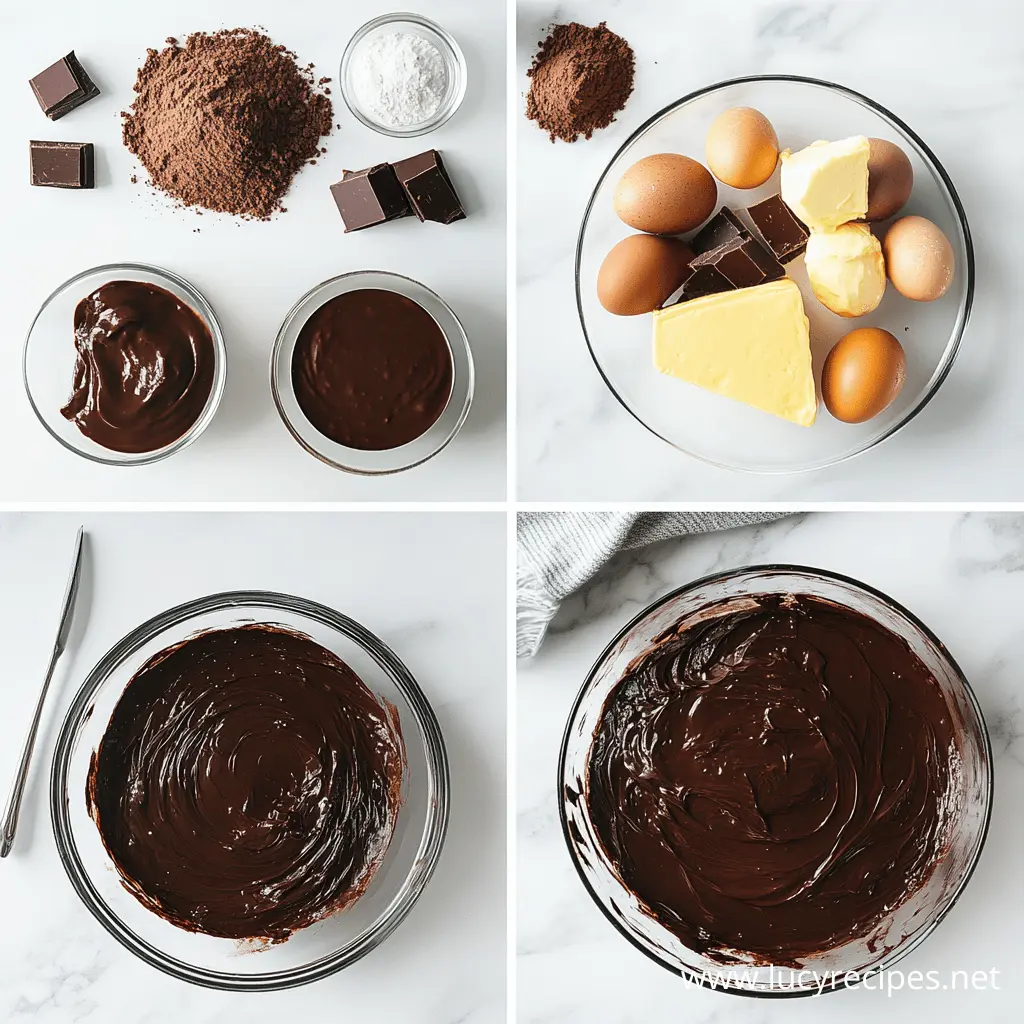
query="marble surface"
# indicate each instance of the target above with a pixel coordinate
(446, 962)
(962, 575)
(575, 442)
(251, 273)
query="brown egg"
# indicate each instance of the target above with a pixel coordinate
(918, 259)
(666, 194)
(890, 179)
(641, 272)
(742, 148)
(863, 374)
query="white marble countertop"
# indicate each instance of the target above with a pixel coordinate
(426, 592)
(952, 71)
(962, 576)
(251, 273)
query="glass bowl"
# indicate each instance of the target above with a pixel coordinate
(390, 460)
(48, 361)
(451, 54)
(912, 922)
(729, 434)
(311, 953)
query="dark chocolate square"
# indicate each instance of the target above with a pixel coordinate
(429, 188)
(740, 261)
(704, 280)
(734, 262)
(723, 227)
(369, 197)
(62, 164)
(784, 233)
(62, 87)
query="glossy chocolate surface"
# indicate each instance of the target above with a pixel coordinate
(372, 370)
(145, 367)
(248, 783)
(773, 781)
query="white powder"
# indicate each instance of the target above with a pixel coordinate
(400, 79)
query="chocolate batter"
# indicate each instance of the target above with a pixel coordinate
(372, 370)
(773, 781)
(145, 367)
(248, 783)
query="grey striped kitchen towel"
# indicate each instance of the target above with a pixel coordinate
(559, 551)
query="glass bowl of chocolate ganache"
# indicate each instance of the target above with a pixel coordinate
(372, 373)
(250, 791)
(125, 364)
(776, 780)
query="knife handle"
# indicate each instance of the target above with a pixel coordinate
(10, 820)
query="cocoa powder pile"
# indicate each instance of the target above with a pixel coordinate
(226, 121)
(580, 79)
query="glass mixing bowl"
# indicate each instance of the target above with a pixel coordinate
(48, 361)
(727, 433)
(311, 953)
(390, 460)
(912, 922)
(445, 44)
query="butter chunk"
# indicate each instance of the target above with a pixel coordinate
(826, 184)
(846, 269)
(752, 345)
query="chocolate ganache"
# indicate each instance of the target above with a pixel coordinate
(773, 781)
(144, 370)
(372, 370)
(248, 783)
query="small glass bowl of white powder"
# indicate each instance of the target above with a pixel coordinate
(403, 75)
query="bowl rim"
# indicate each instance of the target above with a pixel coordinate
(758, 570)
(430, 845)
(205, 309)
(447, 40)
(463, 338)
(949, 354)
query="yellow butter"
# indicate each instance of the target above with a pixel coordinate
(826, 184)
(846, 269)
(751, 345)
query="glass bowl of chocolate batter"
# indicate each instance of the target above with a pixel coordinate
(250, 791)
(774, 777)
(372, 373)
(125, 364)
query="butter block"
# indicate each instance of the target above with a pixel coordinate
(826, 184)
(751, 345)
(846, 269)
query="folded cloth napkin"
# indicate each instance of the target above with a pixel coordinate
(559, 551)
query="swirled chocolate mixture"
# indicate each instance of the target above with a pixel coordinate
(372, 370)
(773, 781)
(247, 784)
(145, 367)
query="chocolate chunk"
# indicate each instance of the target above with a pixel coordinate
(776, 223)
(369, 197)
(723, 227)
(62, 164)
(739, 262)
(62, 87)
(705, 280)
(429, 189)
